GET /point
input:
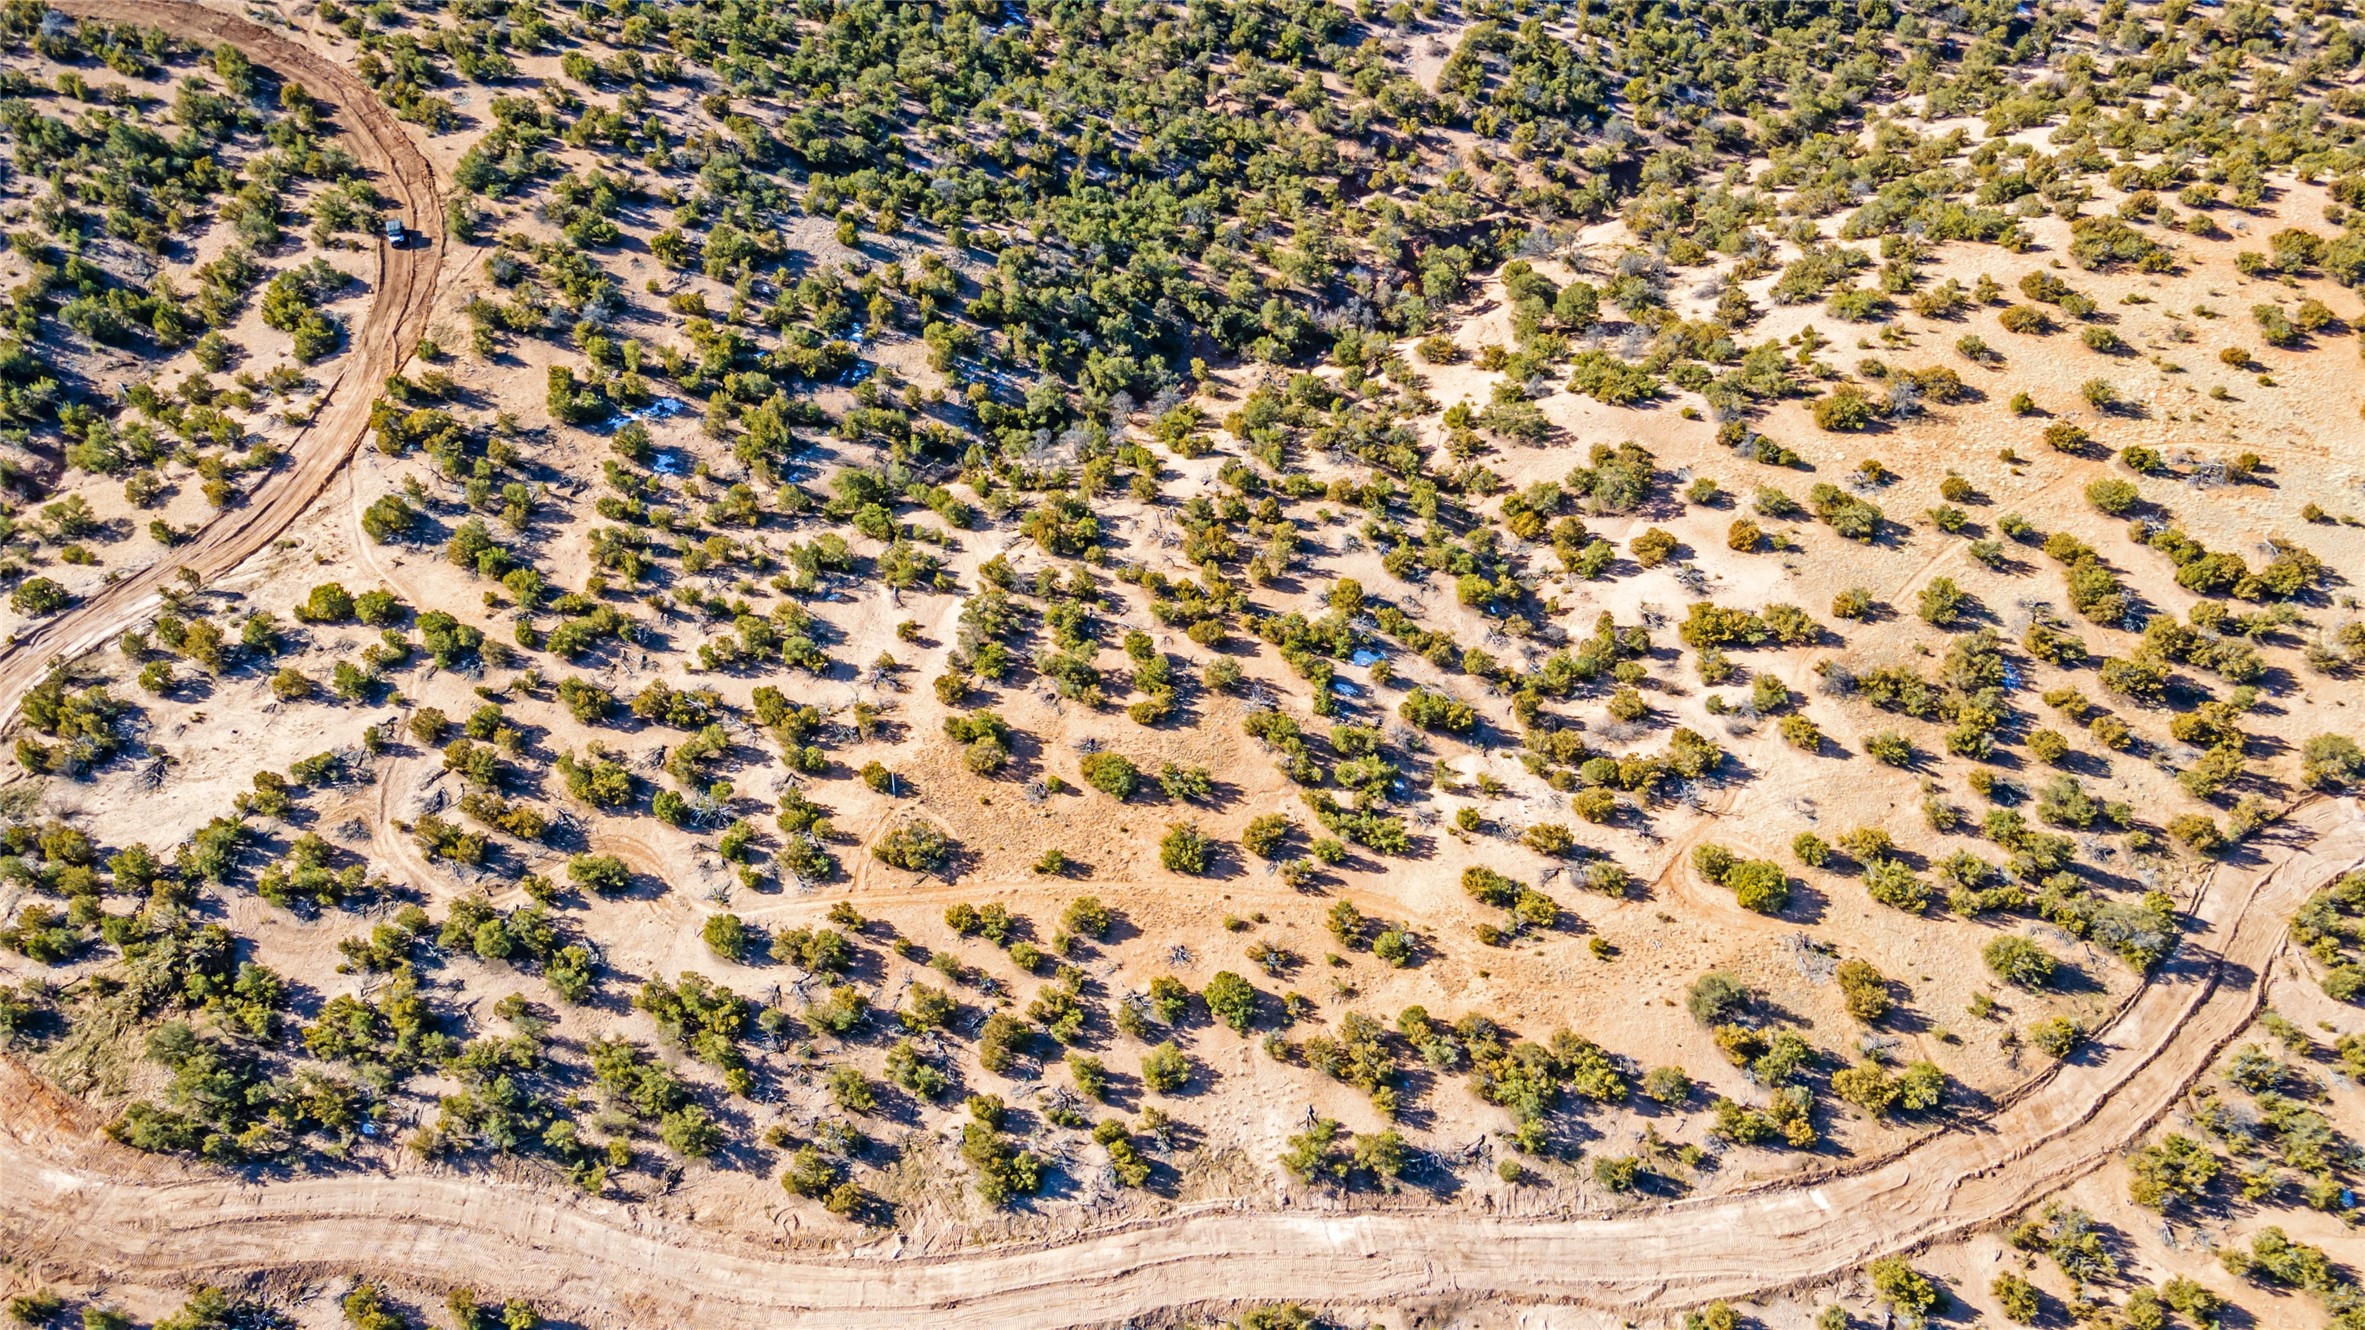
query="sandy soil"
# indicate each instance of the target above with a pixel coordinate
(725, 1247)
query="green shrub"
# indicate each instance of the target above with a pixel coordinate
(1844, 408)
(2112, 496)
(1893, 884)
(1715, 998)
(1165, 1068)
(328, 603)
(2056, 1036)
(1810, 849)
(727, 936)
(1890, 747)
(1942, 603)
(1184, 849)
(1231, 1000)
(39, 596)
(2017, 1297)
(1112, 774)
(2331, 761)
(1759, 885)
(2019, 961)
(1907, 1291)
(914, 846)
(1432, 710)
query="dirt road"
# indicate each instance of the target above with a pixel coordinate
(74, 1203)
(403, 289)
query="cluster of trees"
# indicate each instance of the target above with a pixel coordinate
(154, 169)
(1103, 199)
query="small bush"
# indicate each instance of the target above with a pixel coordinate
(1810, 849)
(1942, 603)
(38, 596)
(1759, 885)
(1844, 408)
(1912, 1294)
(1185, 849)
(1264, 834)
(2112, 496)
(1890, 747)
(2026, 320)
(1865, 992)
(1112, 774)
(1653, 547)
(2020, 962)
(914, 846)
(1715, 998)
(2056, 1036)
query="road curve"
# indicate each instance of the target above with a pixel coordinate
(403, 290)
(73, 1203)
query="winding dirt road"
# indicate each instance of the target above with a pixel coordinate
(73, 1203)
(402, 292)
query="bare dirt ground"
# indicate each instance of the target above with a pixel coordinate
(73, 1205)
(727, 1249)
(403, 290)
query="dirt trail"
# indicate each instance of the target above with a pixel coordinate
(403, 290)
(72, 1203)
